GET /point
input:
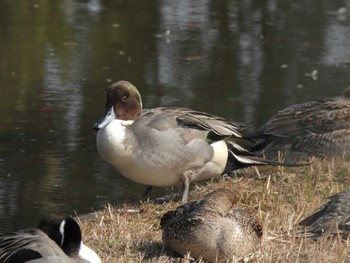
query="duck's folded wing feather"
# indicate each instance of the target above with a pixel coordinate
(310, 117)
(26, 245)
(172, 117)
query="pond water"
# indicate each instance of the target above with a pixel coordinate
(242, 60)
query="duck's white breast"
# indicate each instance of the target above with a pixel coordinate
(112, 146)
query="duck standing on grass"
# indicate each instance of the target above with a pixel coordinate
(167, 146)
(212, 228)
(57, 239)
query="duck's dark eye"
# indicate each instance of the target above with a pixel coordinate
(124, 98)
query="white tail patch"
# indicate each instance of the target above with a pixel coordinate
(220, 154)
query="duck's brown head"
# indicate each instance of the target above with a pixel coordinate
(123, 102)
(221, 200)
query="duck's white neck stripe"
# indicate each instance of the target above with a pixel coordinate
(62, 231)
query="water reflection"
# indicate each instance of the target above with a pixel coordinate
(242, 60)
(336, 41)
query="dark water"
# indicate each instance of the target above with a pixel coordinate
(242, 60)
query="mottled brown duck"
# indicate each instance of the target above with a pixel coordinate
(317, 128)
(212, 228)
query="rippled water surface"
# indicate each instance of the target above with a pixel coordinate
(242, 60)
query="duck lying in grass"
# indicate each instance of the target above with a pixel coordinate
(56, 239)
(332, 219)
(317, 128)
(167, 146)
(212, 228)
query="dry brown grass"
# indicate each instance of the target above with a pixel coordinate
(279, 196)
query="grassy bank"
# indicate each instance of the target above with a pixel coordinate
(280, 197)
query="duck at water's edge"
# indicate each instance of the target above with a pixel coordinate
(167, 146)
(317, 128)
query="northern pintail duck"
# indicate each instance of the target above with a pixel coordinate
(212, 228)
(56, 239)
(331, 219)
(167, 146)
(317, 128)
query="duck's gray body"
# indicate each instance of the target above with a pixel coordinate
(158, 150)
(27, 245)
(167, 146)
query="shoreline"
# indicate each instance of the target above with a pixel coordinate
(279, 196)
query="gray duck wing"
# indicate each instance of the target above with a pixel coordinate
(334, 214)
(182, 118)
(27, 245)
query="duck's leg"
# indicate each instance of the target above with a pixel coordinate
(186, 188)
(146, 193)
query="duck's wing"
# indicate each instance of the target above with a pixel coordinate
(13, 243)
(247, 221)
(163, 118)
(311, 117)
(26, 245)
(183, 216)
(331, 218)
(335, 143)
(53, 259)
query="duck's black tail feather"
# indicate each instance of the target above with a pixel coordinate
(239, 158)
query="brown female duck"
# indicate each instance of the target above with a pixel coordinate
(316, 128)
(212, 228)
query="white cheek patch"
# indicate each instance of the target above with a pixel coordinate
(62, 231)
